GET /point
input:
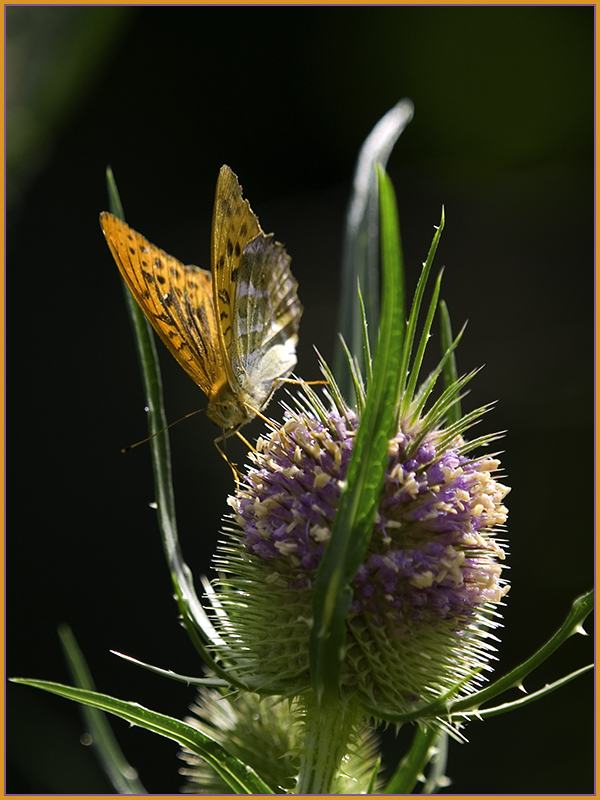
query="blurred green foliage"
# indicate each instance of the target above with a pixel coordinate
(53, 54)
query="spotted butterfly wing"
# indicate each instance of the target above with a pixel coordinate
(176, 299)
(234, 225)
(236, 341)
(257, 305)
(267, 313)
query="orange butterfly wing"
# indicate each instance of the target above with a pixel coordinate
(176, 299)
(234, 332)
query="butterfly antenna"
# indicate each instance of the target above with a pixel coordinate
(162, 430)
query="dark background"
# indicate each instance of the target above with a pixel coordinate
(502, 135)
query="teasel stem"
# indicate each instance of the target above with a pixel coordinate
(328, 729)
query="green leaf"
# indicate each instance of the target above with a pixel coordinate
(581, 608)
(450, 373)
(428, 385)
(114, 199)
(189, 680)
(195, 619)
(360, 262)
(407, 396)
(528, 698)
(445, 708)
(373, 778)
(366, 342)
(120, 773)
(359, 389)
(359, 501)
(241, 778)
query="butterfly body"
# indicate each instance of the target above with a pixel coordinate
(234, 329)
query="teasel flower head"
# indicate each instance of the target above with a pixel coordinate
(422, 602)
(424, 596)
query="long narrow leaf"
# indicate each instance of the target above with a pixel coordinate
(359, 392)
(406, 397)
(358, 504)
(366, 342)
(484, 713)
(580, 609)
(360, 263)
(241, 778)
(195, 618)
(189, 680)
(120, 773)
(429, 384)
(416, 367)
(450, 372)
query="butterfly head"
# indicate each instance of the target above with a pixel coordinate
(227, 409)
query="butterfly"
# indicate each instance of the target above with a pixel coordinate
(234, 329)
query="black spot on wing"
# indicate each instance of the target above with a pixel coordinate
(166, 318)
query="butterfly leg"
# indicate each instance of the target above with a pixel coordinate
(223, 454)
(302, 383)
(269, 422)
(246, 442)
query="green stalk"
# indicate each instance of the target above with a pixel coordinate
(414, 762)
(328, 727)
